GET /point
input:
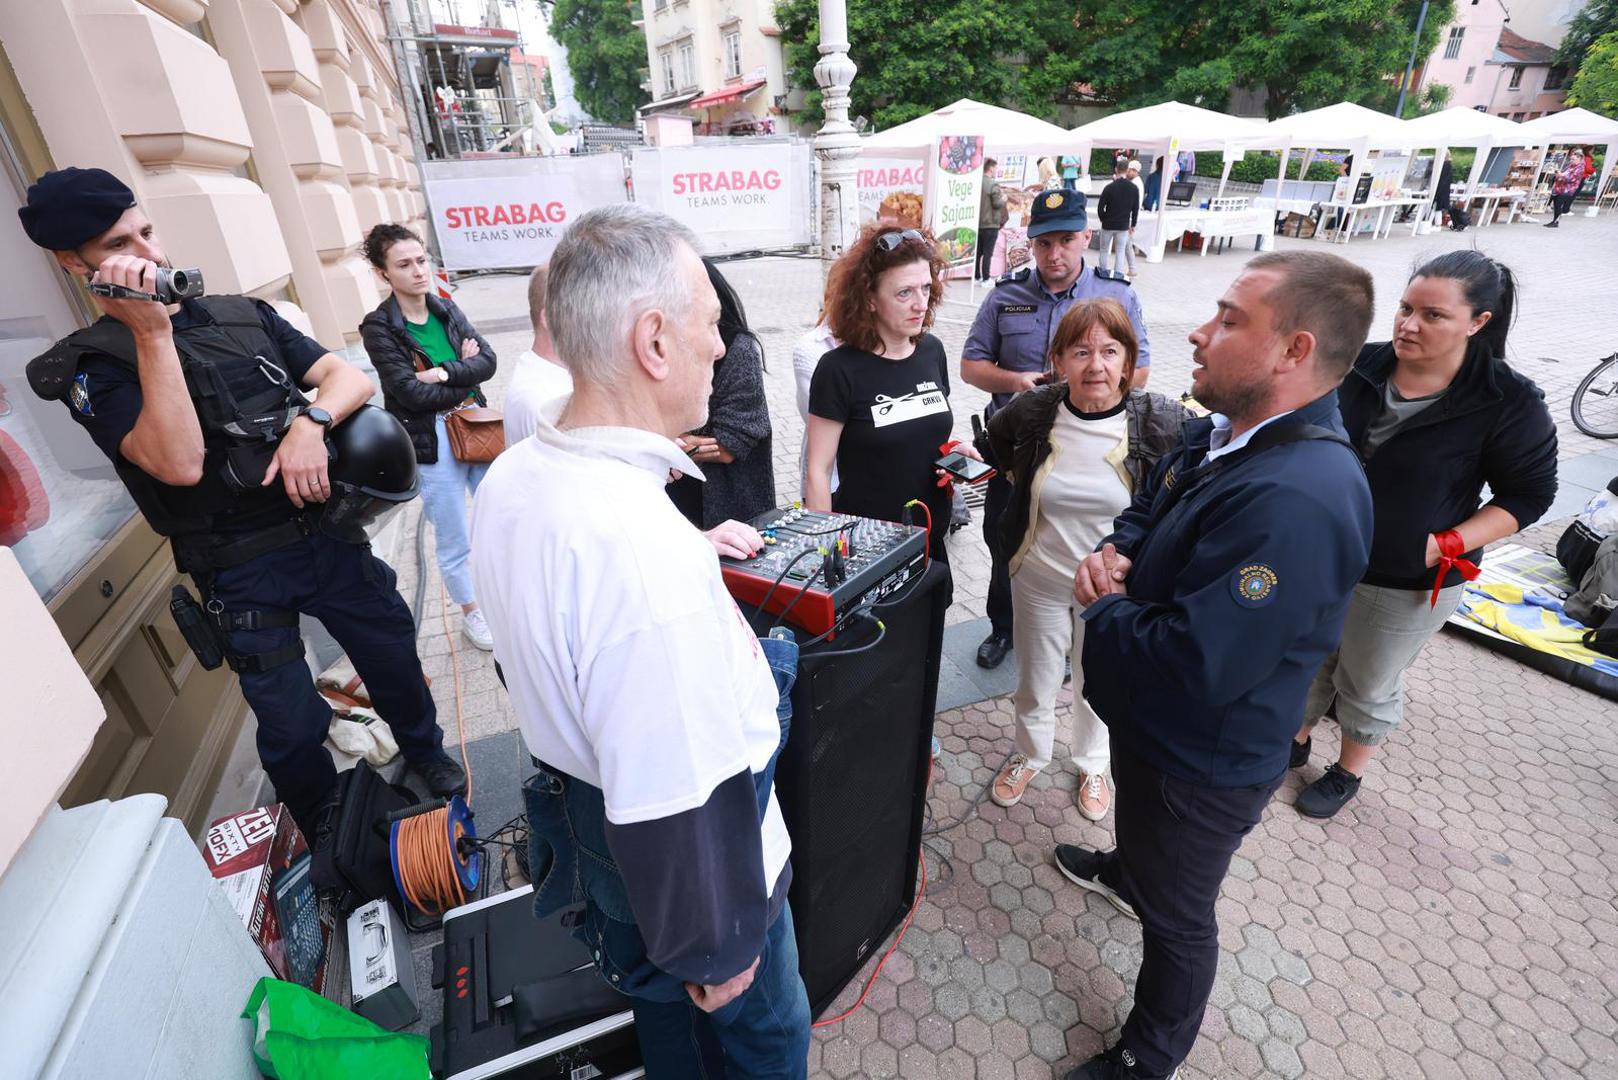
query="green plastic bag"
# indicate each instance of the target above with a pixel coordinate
(299, 1035)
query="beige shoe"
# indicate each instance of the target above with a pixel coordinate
(1014, 778)
(1095, 797)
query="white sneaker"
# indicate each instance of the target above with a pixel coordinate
(475, 628)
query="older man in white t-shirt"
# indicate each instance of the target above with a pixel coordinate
(537, 379)
(637, 682)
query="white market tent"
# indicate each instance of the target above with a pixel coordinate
(1572, 127)
(999, 128)
(1341, 126)
(1461, 126)
(1157, 129)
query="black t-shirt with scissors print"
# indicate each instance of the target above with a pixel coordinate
(895, 415)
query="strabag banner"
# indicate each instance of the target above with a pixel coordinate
(735, 198)
(510, 213)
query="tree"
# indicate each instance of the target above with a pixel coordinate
(1303, 53)
(1596, 85)
(1596, 19)
(605, 53)
(915, 56)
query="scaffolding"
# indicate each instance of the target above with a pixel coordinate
(465, 96)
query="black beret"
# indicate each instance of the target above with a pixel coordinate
(70, 207)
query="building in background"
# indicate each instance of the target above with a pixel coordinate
(263, 138)
(1499, 57)
(718, 61)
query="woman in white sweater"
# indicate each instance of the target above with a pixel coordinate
(1075, 451)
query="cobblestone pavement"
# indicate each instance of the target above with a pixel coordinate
(1456, 920)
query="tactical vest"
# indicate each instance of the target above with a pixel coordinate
(245, 398)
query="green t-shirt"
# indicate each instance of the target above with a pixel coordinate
(433, 339)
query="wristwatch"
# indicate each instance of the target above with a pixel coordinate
(318, 415)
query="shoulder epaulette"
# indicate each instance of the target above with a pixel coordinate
(1020, 274)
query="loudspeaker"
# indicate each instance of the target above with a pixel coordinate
(852, 781)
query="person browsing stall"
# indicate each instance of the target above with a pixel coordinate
(200, 408)
(1207, 610)
(879, 403)
(638, 685)
(1008, 345)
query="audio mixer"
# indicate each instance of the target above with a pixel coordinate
(822, 566)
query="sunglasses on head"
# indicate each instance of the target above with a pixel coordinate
(890, 241)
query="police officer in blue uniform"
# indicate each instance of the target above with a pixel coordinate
(199, 406)
(1007, 351)
(1208, 610)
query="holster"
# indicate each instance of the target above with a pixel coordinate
(199, 631)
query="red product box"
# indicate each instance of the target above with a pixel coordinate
(262, 862)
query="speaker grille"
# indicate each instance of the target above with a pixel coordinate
(852, 784)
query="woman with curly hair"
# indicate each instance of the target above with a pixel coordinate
(879, 403)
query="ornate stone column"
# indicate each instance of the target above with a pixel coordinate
(836, 144)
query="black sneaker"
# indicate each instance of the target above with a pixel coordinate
(1299, 755)
(994, 649)
(1329, 794)
(443, 774)
(1082, 867)
(1115, 1064)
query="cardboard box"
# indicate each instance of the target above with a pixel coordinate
(262, 863)
(382, 979)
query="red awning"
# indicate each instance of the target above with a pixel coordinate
(729, 93)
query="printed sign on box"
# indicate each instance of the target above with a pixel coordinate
(735, 198)
(511, 212)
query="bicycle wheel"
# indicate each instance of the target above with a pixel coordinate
(1595, 402)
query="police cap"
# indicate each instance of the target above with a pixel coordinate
(1057, 211)
(70, 207)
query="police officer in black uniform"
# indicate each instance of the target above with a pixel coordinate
(199, 406)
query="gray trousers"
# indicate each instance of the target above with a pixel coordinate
(1382, 636)
(1109, 237)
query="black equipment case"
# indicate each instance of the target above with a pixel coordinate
(522, 999)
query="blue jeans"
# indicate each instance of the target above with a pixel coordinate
(762, 1034)
(444, 487)
(765, 1031)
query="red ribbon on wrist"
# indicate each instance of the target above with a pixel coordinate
(1450, 549)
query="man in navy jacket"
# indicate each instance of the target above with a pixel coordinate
(1207, 611)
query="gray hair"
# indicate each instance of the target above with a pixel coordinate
(612, 265)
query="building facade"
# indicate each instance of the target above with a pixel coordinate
(719, 61)
(1500, 59)
(263, 138)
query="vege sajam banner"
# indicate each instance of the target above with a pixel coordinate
(957, 182)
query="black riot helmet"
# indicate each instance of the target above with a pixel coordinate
(372, 470)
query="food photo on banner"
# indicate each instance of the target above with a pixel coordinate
(499, 214)
(957, 181)
(736, 198)
(892, 190)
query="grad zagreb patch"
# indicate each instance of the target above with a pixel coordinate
(1254, 586)
(79, 394)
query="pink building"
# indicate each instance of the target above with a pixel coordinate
(1492, 68)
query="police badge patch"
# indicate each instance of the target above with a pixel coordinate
(79, 394)
(1254, 586)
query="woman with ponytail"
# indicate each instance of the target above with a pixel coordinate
(1436, 414)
